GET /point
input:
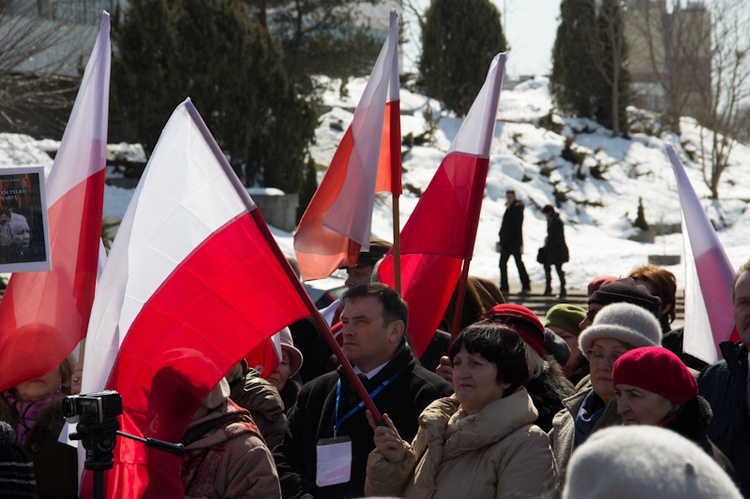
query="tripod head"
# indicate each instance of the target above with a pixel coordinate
(97, 429)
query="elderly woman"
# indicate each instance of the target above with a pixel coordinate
(653, 387)
(617, 328)
(479, 442)
(34, 409)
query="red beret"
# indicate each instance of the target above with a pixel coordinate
(523, 321)
(657, 370)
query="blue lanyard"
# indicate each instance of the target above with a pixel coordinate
(339, 422)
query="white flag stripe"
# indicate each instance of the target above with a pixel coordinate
(153, 240)
(367, 126)
(61, 180)
(476, 132)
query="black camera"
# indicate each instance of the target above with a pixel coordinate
(93, 407)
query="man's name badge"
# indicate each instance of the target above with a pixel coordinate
(334, 461)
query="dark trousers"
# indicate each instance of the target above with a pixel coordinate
(548, 276)
(505, 254)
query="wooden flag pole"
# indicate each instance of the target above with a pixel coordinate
(396, 244)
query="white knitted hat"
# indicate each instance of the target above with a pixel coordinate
(647, 462)
(625, 322)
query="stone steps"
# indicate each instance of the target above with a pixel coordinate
(540, 303)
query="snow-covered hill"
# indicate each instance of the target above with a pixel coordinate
(597, 188)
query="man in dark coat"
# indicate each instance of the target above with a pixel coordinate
(556, 250)
(374, 319)
(511, 242)
(726, 386)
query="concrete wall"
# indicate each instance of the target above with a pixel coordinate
(279, 210)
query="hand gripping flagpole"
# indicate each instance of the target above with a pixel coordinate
(254, 213)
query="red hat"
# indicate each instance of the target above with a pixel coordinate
(657, 370)
(522, 320)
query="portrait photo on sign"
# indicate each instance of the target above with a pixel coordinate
(24, 234)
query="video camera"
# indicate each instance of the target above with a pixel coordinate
(92, 408)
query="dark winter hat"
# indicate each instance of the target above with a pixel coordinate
(523, 321)
(378, 249)
(565, 316)
(16, 469)
(657, 370)
(626, 290)
(556, 346)
(598, 282)
(626, 322)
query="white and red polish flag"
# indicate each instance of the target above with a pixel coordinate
(44, 315)
(193, 282)
(709, 312)
(441, 230)
(336, 223)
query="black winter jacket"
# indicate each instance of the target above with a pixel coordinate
(723, 385)
(548, 391)
(312, 419)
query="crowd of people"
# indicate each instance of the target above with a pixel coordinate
(595, 403)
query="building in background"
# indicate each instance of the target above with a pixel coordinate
(669, 56)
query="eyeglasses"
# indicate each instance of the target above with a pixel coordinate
(590, 314)
(598, 357)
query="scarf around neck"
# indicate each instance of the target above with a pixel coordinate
(27, 412)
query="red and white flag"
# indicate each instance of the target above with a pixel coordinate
(44, 315)
(441, 230)
(709, 312)
(336, 223)
(193, 282)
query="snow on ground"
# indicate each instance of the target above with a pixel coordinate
(526, 157)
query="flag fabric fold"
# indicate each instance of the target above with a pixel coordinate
(44, 315)
(336, 223)
(441, 231)
(709, 312)
(193, 282)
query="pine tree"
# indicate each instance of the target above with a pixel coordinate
(211, 51)
(589, 62)
(320, 36)
(573, 75)
(614, 77)
(459, 39)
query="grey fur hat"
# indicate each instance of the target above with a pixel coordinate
(647, 462)
(626, 322)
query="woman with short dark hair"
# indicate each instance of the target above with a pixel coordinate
(480, 442)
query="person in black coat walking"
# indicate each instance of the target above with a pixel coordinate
(556, 252)
(511, 242)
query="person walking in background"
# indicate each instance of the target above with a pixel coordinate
(511, 242)
(556, 250)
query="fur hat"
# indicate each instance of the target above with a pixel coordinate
(647, 462)
(626, 322)
(657, 370)
(16, 469)
(565, 316)
(523, 321)
(287, 345)
(626, 290)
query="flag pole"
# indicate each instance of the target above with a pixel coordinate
(258, 219)
(480, 182)
(396, 244)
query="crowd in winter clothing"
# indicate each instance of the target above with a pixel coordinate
(592, 403)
